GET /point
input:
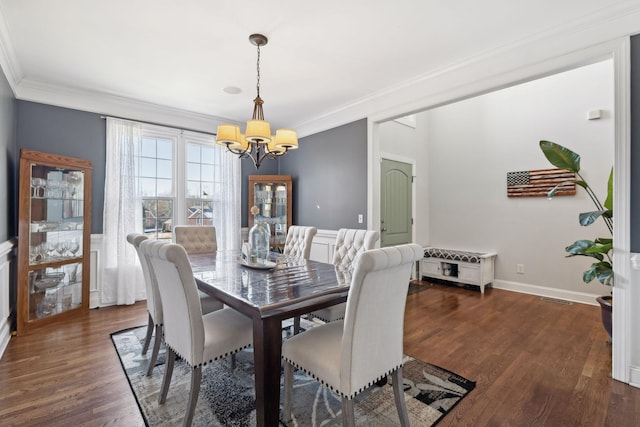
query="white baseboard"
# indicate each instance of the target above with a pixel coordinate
(543, 291)
(5, 335)
(634, 376)
(95, 288)
(6, 258)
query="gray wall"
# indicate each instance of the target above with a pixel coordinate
(80, 134)
(69, 133)
(8, 162)
(329, 173)
(635, 144)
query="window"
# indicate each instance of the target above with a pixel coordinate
(185, 178)
(155, 181)
(203, 186)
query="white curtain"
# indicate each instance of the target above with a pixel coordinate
(122, 280)
(229, 232)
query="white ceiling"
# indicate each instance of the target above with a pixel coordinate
(322, 57)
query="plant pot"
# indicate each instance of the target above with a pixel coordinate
(606, 307)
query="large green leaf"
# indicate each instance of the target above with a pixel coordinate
(560, 156)
(608, 203)
(588, 218)
(601, 271)
(584, 248)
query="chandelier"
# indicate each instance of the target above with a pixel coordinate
(257, 143)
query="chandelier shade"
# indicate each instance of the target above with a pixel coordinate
(257, 142)
(258, 131)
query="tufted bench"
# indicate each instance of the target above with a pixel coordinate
(471, 268)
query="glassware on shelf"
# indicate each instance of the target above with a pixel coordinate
(72, 273)
(61, 248)
(35, 253)
(34, 186)
(67, 299)
(74, 247)
(38, 184)
(73, 179)
(47, 304)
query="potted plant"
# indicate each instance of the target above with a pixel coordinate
(600, 249)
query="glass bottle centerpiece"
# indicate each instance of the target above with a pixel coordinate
(259, 238)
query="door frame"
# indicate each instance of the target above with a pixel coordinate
(625, 347)
(401, 159)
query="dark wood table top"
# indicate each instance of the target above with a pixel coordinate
(290, 284)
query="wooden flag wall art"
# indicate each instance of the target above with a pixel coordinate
(538, 183)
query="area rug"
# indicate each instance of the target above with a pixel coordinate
(414, 288)
(227, 397)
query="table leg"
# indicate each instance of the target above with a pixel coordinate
(267, 350)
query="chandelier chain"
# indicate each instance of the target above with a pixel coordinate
(258, 69)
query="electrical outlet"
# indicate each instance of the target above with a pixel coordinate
(520, 268)
(360, 218)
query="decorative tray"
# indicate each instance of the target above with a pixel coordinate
(267, 265)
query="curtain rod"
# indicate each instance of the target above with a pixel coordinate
(159, 124)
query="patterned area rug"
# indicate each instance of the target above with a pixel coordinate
(227, 398)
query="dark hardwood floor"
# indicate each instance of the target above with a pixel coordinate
(536, 363)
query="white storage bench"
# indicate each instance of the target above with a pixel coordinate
(471, 268)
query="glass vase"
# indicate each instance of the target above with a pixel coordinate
(259, 242)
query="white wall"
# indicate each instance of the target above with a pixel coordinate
(463, 152)
(474, 143)
(408, 144)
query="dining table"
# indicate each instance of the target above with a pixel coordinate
(280, 288)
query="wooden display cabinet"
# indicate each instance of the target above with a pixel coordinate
(272, 195)
(54, 226)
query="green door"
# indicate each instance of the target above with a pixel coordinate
(395, 197)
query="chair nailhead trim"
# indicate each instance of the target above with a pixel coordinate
(339, 393)
(325, 320)
(212, 360)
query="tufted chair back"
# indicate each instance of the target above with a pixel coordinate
(183, 328)
(196, 239)
(349, 243)
(349, 355)
(298, 243)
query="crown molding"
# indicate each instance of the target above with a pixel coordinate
(113, 105)
(8, 61)
(512, 63)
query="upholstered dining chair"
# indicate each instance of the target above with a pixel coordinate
(199, 239)
(298, 245)
(196, 338)
(351, 354)
(349, 244)
(154, 302)
(196, 239)
(298, 241)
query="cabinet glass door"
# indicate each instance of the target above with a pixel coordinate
(56, 227)
(271, 199)
(271, 194)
